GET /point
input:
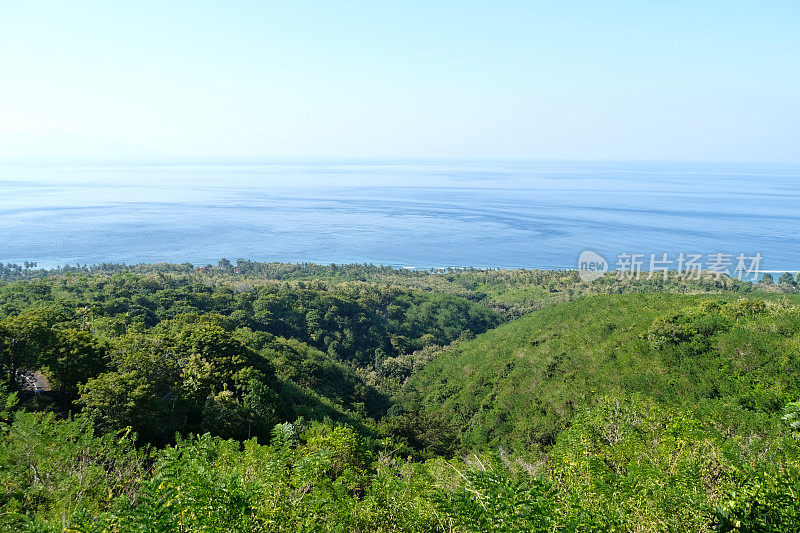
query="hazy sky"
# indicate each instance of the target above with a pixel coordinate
(613, 79)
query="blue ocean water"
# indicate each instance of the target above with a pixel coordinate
(419, 214)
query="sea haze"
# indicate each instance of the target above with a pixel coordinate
(415, 214)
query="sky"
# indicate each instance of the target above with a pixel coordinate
(665, 80)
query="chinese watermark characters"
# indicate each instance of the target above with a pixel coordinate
(592, 266)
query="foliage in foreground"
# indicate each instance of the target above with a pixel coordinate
(622, 466)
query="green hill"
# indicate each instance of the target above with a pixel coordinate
(519, 385)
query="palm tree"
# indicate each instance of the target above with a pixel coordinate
(86, 313)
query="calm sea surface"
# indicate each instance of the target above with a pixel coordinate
(414, 214)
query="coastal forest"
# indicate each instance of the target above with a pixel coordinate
(264, 397)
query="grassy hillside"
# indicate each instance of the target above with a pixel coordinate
(519, 385)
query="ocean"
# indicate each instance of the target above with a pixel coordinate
(416, 214)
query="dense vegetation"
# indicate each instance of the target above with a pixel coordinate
(511, 293)
(272, 397)
(519, 385)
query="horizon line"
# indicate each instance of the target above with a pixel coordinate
(210, 159)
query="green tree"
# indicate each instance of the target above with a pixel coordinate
(75, 357)
(116, 400)
(25, 338)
